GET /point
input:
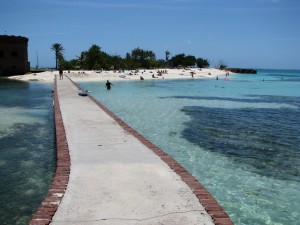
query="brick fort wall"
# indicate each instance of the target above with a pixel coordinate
(13, 55)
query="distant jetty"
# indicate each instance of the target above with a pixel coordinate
(241, 70)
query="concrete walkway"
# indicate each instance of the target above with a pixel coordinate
(116, 179)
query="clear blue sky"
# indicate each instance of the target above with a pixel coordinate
(241, 33)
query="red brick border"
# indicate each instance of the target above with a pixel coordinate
(48, 207)
(211, 205)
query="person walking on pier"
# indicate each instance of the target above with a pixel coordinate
(61, 76)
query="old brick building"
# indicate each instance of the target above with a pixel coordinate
(13, 55)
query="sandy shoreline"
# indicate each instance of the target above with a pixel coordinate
(85, 75)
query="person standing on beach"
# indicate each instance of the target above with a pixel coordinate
(108, 85)
(61, 76)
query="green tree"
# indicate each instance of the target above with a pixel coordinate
(117, 62)
(69, 65)
(92, 58)
(189, 61)
(221, 65)
(202, 63)
(143, 58)
(178, 60)
(59, 56)
(160, 63)
(96, 59)
(81, 60)
(181, 60)
(168, 53)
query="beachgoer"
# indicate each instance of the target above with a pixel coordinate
(61, 76)
(108, 85)
(217, 78)
(142, 78)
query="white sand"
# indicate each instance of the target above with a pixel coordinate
(49, 76)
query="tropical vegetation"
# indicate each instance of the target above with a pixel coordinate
(59, 56)
(96, 59)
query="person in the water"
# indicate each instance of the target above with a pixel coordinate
(108, 85)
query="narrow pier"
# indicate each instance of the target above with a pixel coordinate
(119, 177)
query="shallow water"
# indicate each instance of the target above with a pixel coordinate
(27, 148)
(240, 137)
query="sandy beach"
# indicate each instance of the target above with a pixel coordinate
(85, 75)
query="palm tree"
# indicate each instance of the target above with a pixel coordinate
(167, 55)
(59, 56)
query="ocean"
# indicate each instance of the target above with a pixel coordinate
(238, 137)
(27, 148)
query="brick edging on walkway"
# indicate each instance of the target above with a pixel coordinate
(211, 205)
(49, 205)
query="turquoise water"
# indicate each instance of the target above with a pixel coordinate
(240, 137)
(27, 148)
